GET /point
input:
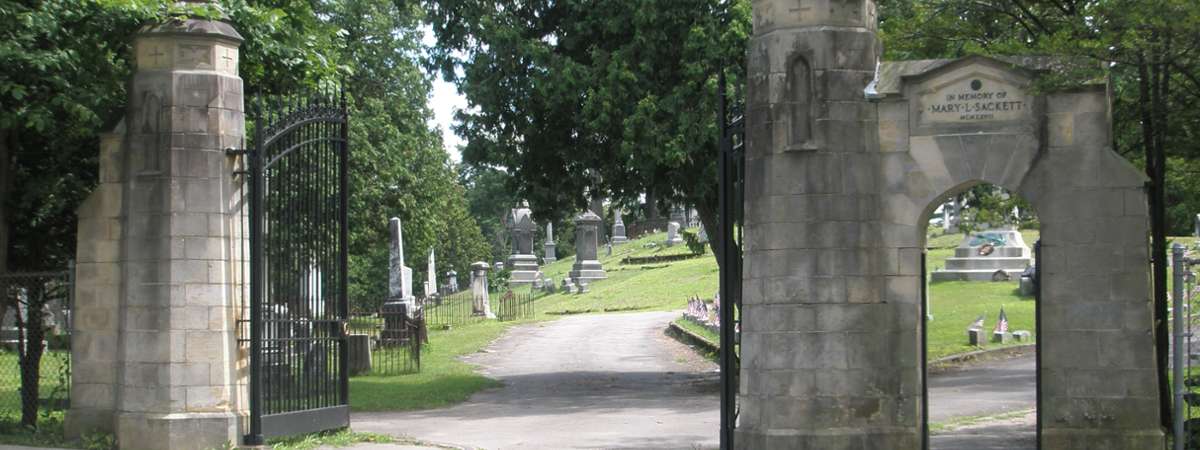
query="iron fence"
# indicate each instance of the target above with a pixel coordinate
(513, 306)
(394, 341)
(462, 308)
(643, 227)
(34, 379)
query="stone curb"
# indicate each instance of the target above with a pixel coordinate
(692, 338)
(946, 361)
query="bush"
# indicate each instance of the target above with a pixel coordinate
(693, 242)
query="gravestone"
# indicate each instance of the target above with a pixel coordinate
(618, 234)
(452, 282)
(431, 285)
(1022, 336)
(399, 275)
(498, 266)
(522, 263)
(567, 286)
(839, 189)
(996, 255)
(587, 266)
(359, 353)
(1196, 232)
(549, 245)
(482, 305)
(673, 235)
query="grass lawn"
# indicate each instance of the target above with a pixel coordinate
(648, 287)
(955, 304)
(443, 380)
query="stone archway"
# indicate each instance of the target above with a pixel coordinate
(831, 347)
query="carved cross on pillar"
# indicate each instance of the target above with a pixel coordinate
(229, 59)
(157, 53)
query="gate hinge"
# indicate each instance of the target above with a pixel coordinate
(230, 151)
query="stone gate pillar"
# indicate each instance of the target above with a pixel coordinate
(821, 353)
(159, 277)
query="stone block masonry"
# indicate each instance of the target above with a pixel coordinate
(839, 190)
(160, 276)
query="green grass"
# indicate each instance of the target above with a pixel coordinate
(955, 304)
(337, 438)
(703, 332)
(444, 379)
(649, 287)
(48, 434)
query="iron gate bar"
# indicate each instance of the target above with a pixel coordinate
(924, 290)
(299, 168)
(726, 291)
(1037, 338)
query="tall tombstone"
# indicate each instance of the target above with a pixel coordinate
(431, 285)
(1197, 226)
(674, 226)
(451, 282)
(522, 262)
(549, 245)
(399, 275)
(587, 264)
(160, 279)
(618, 234)
(481, 306)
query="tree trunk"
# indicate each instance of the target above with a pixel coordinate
(712, 226)
(6, 162)
(1147, 89)
(30, 349)
(651, 205)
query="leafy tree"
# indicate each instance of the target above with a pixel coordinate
(578, 99)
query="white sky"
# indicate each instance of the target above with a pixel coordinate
(445, 101)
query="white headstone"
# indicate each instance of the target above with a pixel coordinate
(549, 245)
(399, 276)
(618, 234)
(673, 236)
(431, 285)
(482, 305)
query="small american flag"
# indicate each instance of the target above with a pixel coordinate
(1001, 322)
(978, 324)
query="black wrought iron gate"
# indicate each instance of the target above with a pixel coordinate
(732, 172)
(298, 256)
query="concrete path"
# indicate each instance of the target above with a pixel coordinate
(590, 381)
(985, 389)
(988, 389)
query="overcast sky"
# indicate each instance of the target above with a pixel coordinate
(444, 102)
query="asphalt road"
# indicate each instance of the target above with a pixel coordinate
(986, 389)
(592, 381)
(616, 381)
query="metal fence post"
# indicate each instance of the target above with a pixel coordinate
(1178, 316)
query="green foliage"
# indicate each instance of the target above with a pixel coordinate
(326, 439)
(98, 441)
(575, 98)
(490, 197)
(692, 239)
(498, 280)
(67, 65)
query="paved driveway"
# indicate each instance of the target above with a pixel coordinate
(590, 381)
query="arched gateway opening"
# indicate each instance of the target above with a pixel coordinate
(980, 307)
(831, 331)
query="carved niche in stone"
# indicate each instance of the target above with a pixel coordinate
(800, 105)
